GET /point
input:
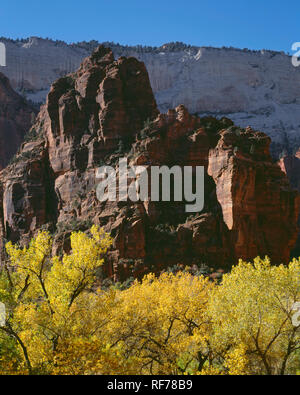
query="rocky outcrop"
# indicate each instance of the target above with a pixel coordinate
(246, 197)
(16, 118)
(290, 165)
(257, 88)
(105, 111)
(89, 113)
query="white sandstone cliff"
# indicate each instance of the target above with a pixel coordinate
(257, 88)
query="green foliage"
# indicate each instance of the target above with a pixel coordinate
(74, 225)
(166, 228)
(32, 135)
(22, 156)
(283, 154)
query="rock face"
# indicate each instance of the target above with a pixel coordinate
(257, 88)
(290, 165)
(16, 117)
(106, 111)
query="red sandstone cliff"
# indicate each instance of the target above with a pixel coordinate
(107, 110)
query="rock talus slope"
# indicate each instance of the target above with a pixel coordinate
(105, 111)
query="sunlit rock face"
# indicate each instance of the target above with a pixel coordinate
(256, 88)
(105, 111)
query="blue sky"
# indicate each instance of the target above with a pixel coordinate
(254, 24)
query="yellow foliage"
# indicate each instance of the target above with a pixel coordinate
(253, 309)
(236, 361)
(59, 323)
(162, 322)
(43, 291)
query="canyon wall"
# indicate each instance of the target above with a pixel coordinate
(256, 88)
(105, 111)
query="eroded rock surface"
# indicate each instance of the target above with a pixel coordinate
(257, 88)
(106, 111)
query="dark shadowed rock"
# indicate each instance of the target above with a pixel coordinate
(290, 165)
(16, 117)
